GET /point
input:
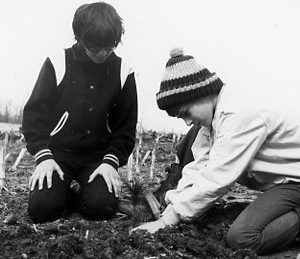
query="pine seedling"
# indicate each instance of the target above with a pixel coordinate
(136, 188)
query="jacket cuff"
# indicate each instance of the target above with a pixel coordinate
(42, 155)
(169, 216)
(111, 160)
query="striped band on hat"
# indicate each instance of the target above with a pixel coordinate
(184, 81)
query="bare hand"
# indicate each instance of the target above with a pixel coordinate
(45, 169)
(111, 177)
(151, 227)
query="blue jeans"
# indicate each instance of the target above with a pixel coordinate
(270, 222)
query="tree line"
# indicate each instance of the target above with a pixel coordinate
(10, 113)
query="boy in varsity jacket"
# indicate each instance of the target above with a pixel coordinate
(80, 123)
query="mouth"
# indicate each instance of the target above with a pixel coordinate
(99, 60)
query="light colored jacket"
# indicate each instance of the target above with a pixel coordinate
(254, 140)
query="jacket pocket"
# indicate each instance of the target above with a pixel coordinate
(60, 124)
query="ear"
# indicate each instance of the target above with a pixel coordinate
(77, 38)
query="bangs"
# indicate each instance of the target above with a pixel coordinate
(100, 37)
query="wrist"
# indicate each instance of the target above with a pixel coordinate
(43, 155)
(162, 223)
(169, 216)
(111, 160)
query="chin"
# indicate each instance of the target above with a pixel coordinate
(98, 61)
(198, 124)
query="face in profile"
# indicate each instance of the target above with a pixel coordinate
(198, 113)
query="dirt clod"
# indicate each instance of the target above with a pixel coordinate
(11, 219)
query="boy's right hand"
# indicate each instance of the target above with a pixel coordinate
(45, 169)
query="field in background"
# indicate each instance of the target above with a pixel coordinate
(9, 126)
(75, 237)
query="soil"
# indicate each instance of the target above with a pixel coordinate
(77, 238)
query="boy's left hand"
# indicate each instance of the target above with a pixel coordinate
(110, 176)
(151, 227)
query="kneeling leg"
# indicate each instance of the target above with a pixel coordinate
(48, 204)
(95, 201)
(270, 222)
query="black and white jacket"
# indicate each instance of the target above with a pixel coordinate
(87, 109)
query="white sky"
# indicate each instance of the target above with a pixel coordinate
(250, 44)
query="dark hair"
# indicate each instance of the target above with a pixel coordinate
(173, 111)
(97, 25)
(180, 111)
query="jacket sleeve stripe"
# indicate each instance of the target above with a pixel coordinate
(112, 158)
(42, 153)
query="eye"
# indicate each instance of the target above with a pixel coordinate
(183, 113)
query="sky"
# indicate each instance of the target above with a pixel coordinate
(250, 44)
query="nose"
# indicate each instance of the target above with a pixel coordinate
(102, 53)
(188, 122)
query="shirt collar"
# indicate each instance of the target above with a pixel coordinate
(213, 123)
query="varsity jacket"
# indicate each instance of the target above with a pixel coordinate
(88, 109)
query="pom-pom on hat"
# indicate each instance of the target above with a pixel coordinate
(184, 81)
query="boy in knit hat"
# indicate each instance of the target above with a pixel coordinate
(80, 121)
(253, 142)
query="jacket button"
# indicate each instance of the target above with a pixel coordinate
(91, 109)
(92, 87)
(88, 132)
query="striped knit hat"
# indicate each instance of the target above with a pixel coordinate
(185, 81)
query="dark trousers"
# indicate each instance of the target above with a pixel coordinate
(269, 223)
(93, 201)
